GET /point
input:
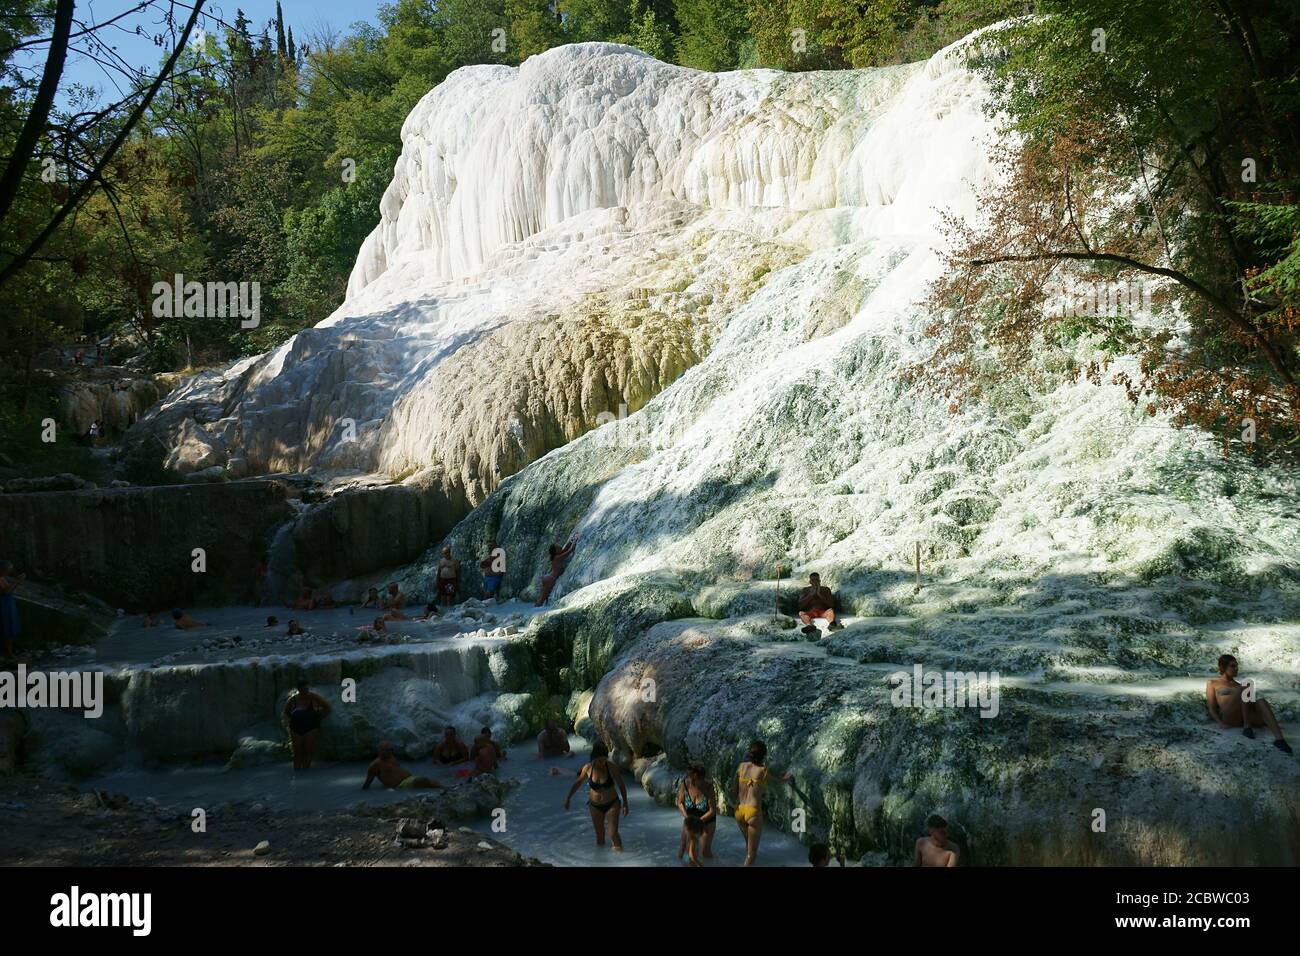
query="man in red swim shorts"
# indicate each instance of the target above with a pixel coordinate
(816, 601)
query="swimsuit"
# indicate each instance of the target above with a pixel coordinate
(304, 720)
(606, 784)
(746, 814)
(693, 808)
(492, 583)
(407, 783)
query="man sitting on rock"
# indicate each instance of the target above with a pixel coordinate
(936, 849)
(393, 775)
(1226, 701)
(815, 602)
(553, 742)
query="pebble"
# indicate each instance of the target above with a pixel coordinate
(262, 849)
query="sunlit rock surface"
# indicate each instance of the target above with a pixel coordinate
(739, 260)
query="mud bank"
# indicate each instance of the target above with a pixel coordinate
(49, 825)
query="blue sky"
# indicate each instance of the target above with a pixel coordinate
(305, 16)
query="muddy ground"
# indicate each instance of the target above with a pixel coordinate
(47, 824)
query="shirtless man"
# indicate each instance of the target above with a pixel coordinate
(393, 776)
(294, 628)
(448, 578)
(484, 741)
(183, 621)
(936, 849)
(553, 742)
(1224, 701)
(485, 759)
(816, 601)
(451, 749)
(394, 599)
(305, 601)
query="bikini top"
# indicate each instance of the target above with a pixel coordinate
(690, 803)
(759, 781)
(604, 785)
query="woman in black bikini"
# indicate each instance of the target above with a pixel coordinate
(601, 799)
(305, 711)
(696, 799)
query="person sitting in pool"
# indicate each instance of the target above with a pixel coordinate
(936, 849)
(602, 776)
(697, 801)
(1226, 701)
(559, 559)
(819, 854)
(484, 739)
(451, 749)
(380, 624)
(553, 742)
(326, 600)
(305, 601)
(295, 628)
(430, 612)
(394, 598)
(305, 711)
(747, 795)
(485, 761)
(494, 569)
(393, 775)
(272, 621)
(816, 602)
(183, 621)
(151, 618)
(372, 598)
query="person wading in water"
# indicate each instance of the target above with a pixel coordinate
(305, 711)
(603, 776)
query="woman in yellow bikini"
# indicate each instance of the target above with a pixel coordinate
(747, 794)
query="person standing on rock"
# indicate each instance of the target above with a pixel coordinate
(747, 794)
(306, 711)
(1226, 701)
(936, 849)
(393, 775)
(816, 601)
(448, 578)
(494, 570)
(559, 558)
(9, 628)
(603, 776)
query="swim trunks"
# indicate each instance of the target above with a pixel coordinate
(407, 784)
(491, 583)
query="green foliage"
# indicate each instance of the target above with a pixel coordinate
(239, 172)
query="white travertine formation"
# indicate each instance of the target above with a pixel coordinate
(561, 241)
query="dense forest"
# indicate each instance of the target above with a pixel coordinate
(254, 154)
